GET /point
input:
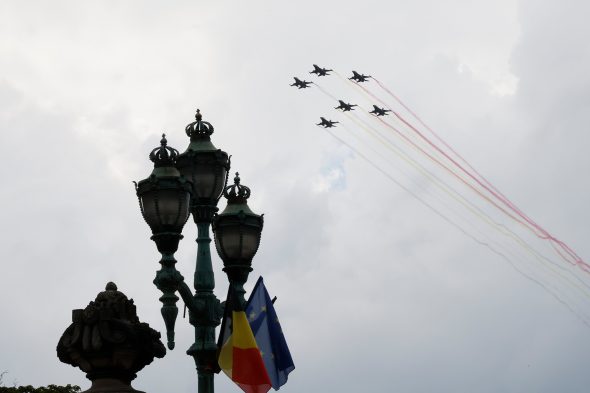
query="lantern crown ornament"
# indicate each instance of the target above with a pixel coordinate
(164, 155)
(164, 197)
(200, 129)
(237, 233)
(205, 166)
(164, 200)
(237, 193)
(237, 229)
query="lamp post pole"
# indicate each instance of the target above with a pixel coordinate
(204, 349)
(206, 167)
(192, 183)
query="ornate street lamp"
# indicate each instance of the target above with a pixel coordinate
(237, 235)
(206, 167)
(164, 199)
(193, 182)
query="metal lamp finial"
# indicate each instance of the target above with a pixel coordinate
(236, 193)
(199, 128)
(164, 155)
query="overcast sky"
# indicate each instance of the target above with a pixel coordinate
(375, 292)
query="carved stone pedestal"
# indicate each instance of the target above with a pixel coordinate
(107, 341)
(110, 385)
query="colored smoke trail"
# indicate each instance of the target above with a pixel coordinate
(543, 233)
(558, 279)
(553, 292)
(448, 190)
(426, 126)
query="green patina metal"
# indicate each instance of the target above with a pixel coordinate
(205, 166)
(237, 235)
(167, 280)
(204, 349)
(204, 280)
(200, 133)
(164, 199)
(201, 172)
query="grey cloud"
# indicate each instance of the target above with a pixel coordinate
(375, 292)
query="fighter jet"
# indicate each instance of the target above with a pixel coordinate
(319, 71)
(327, 123)
(359, 77)
(379, 111)
(300, 84)
(344, 106)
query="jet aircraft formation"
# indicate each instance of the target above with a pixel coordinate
(300, 84)
(345, 107)
(326, 123)
(359, 77)
(319, 71)
(422, 150)
(379, 111)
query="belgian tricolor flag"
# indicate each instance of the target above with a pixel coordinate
(239, 356)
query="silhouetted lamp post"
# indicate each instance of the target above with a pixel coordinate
(192, 183)
(237, 235)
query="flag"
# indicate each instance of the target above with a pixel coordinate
(239, 356)
(269, 335)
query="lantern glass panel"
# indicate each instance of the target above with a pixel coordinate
(173, 206)
(204, 180)
(228, 241)
(165, 207)
(220, 176)
(250, 241)
(148, 206)
(208, 179)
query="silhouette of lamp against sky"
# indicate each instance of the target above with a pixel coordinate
(192, 183)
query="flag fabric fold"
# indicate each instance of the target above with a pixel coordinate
(239, 356)
(269, 335)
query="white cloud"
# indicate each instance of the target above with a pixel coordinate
(369, 281)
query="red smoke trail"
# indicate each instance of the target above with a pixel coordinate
(457, 196)
(505, 199)
(449, 170)
(544, 234)
(459, 228)
(438, 149)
